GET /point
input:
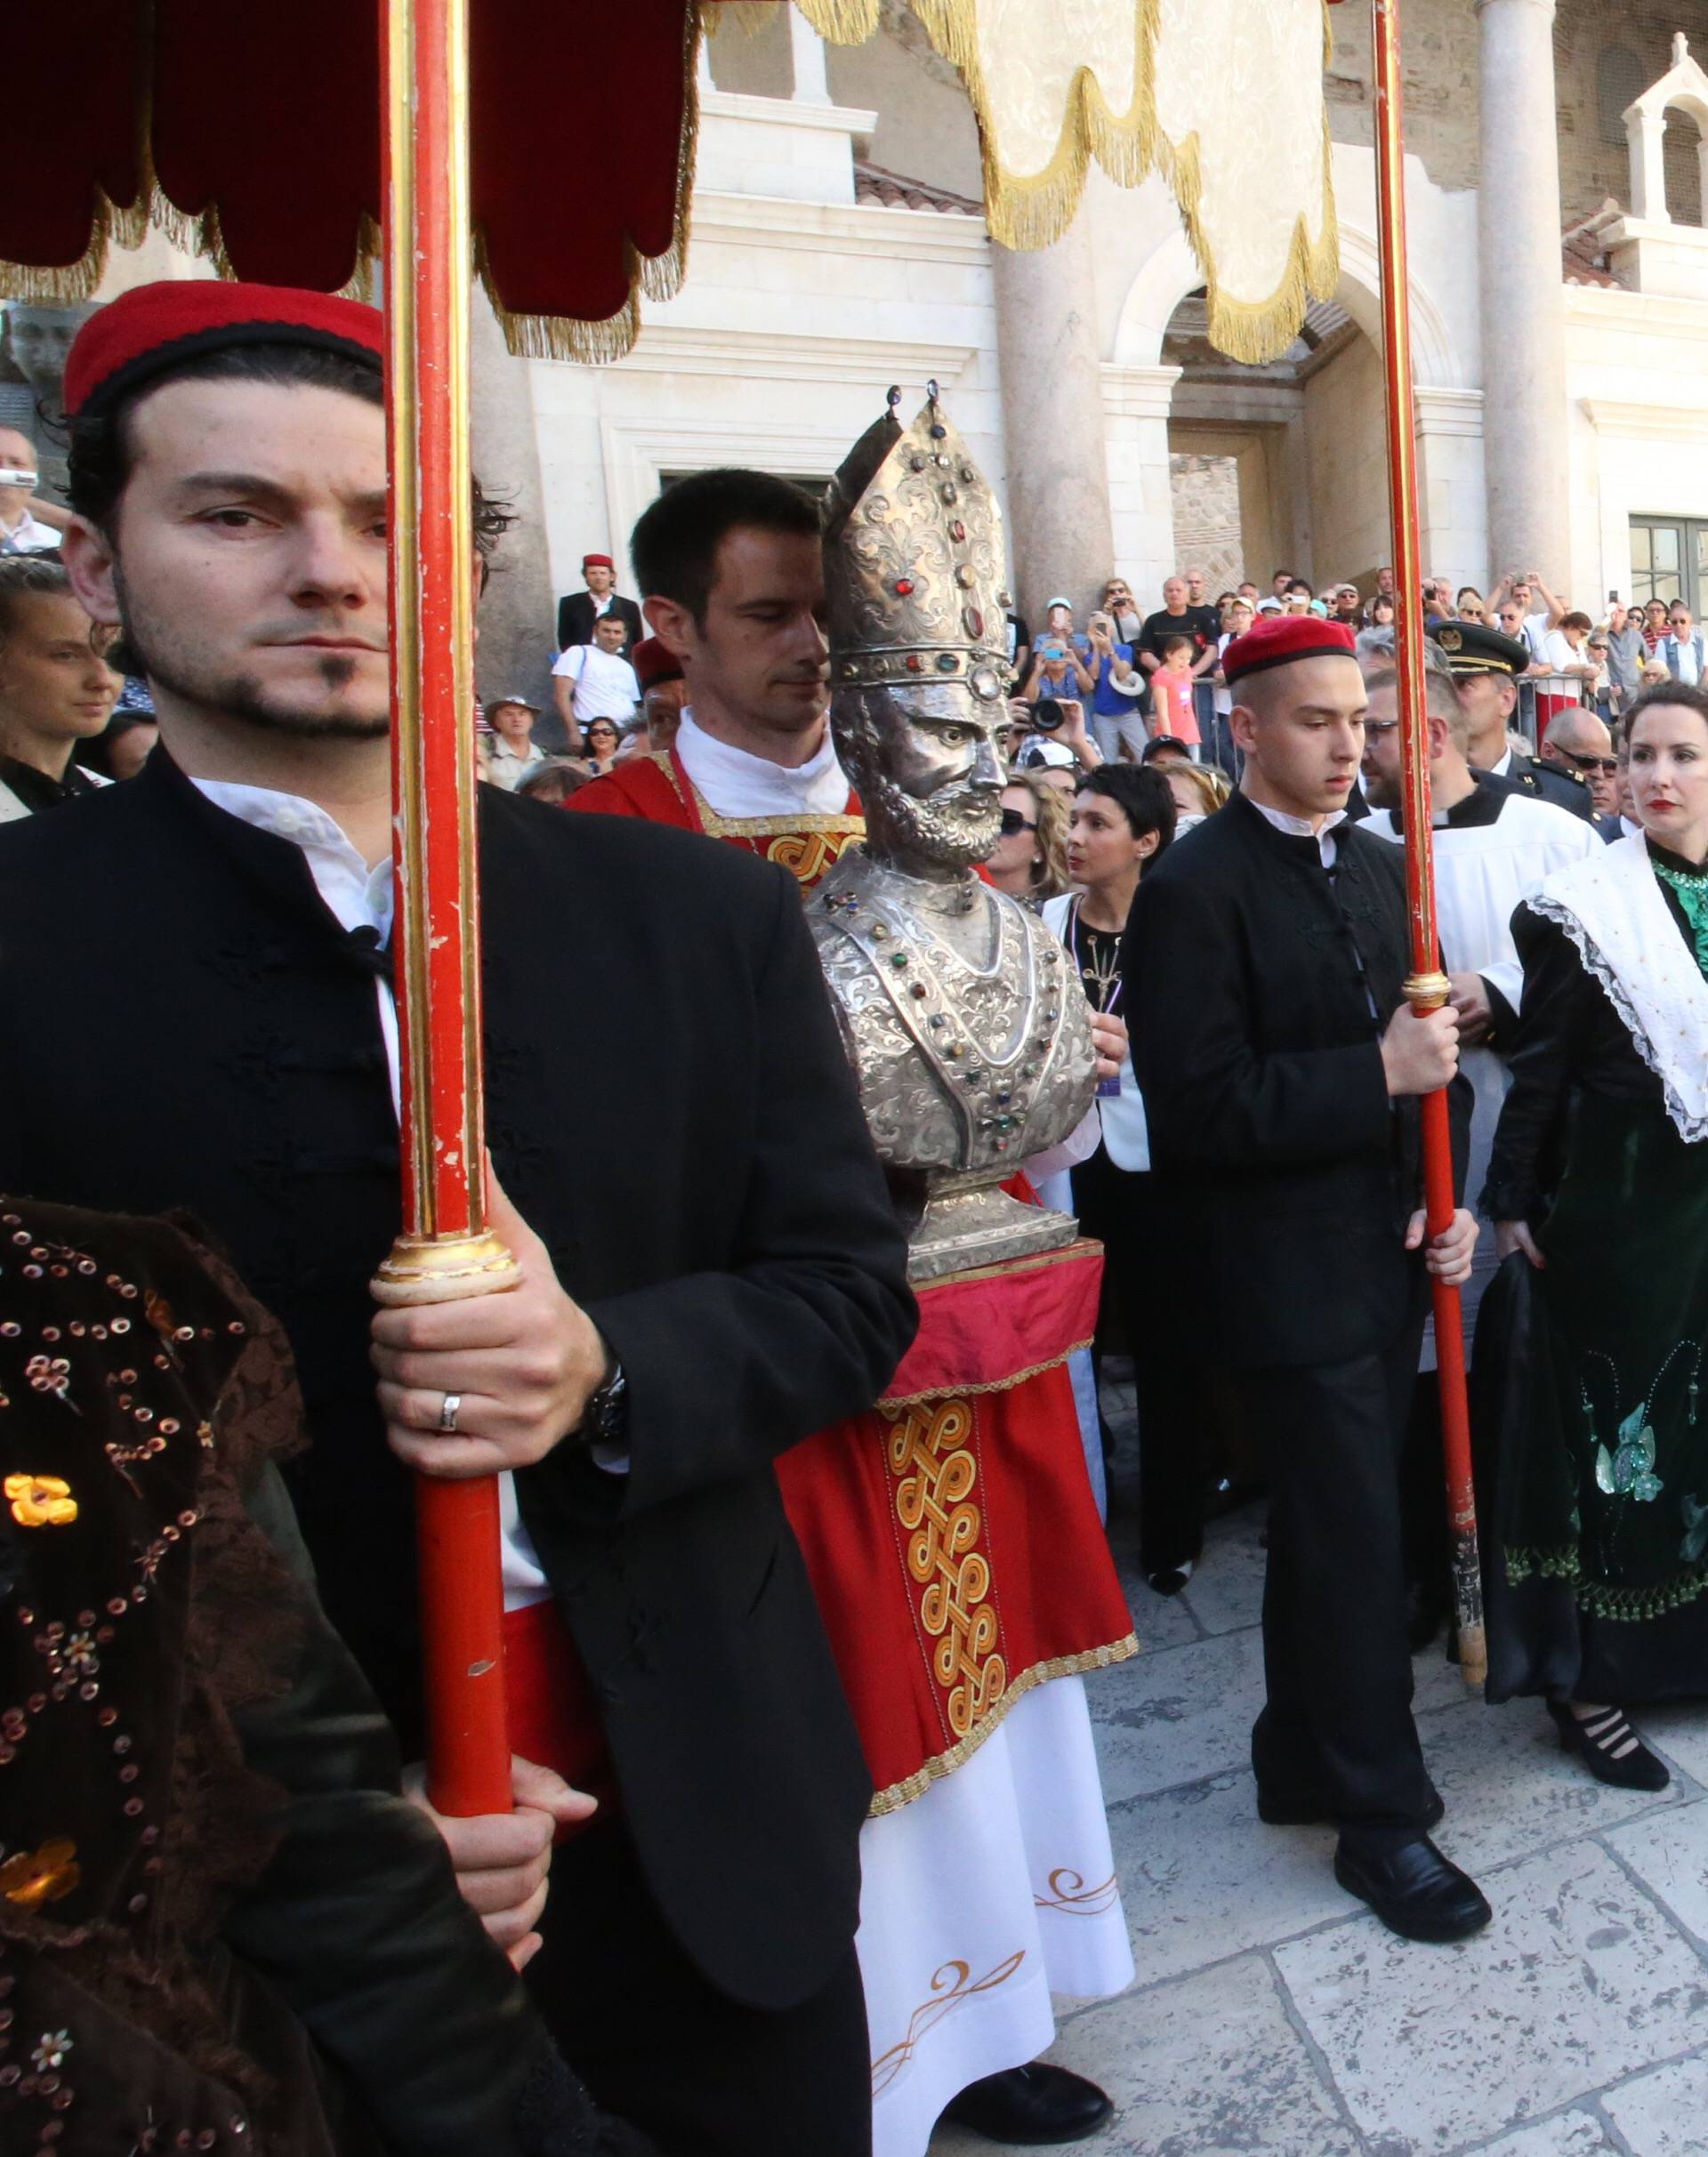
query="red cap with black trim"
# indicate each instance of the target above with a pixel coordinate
(152, 327)
(654, 662)
(597, 562)
(1280, 639)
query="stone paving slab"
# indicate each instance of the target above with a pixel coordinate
(1579, 1981)
(1668, 1851)
(1209, 2067)
(1663, 2115)
(1203, 1879)
(1184, 1713)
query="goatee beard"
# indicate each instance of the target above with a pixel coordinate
(241, 696)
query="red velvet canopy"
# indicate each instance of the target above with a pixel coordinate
(258, 125)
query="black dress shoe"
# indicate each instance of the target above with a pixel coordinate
(1032, 2106)
(1610, 1748)
(1411, 1887)
(1278, 1813)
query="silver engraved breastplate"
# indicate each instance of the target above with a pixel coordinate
(972, 1043)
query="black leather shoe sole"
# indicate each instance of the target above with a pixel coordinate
(1273, 1813)
(1035, 2107)
(1439, 1907)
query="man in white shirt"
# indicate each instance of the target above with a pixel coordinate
(594, 681)
(22, 530)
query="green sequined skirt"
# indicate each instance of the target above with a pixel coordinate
(1593, 1423)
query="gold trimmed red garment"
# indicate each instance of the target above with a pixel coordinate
(656, 788)
(951, 1534)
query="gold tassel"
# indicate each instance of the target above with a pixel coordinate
(845, 22)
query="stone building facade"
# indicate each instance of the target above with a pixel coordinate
(1559, 310)
(1561, 411)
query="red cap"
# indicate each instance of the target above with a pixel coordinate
(654, 662)
(153, 326)
(1280, 639)
(597, 562)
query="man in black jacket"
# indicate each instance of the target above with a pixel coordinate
(1280, 1065)
(577, 611)
(204, 958)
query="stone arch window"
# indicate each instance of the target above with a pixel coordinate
(1619, 82)
(1682, 91)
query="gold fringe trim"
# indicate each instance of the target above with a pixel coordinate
(942, 1764)
(897, 1402)
(1034, 210)
(845, 22)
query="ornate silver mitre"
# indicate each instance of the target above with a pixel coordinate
(966, 1026)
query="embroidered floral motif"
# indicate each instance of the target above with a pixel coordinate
(1630, 1471)
(41, 1502)
(50, 2051)
(51, 1374)
(33, 1878)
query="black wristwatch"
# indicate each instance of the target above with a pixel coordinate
(605, 1421)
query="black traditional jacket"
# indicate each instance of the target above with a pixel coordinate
(184, 1022)
(1258, 986)
(220, 1927)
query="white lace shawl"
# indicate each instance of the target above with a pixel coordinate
(1611, 906)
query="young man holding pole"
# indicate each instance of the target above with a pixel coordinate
(1281, 1067)
(198, 1013)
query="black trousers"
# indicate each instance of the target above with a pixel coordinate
(1336, 1734)
(701, 2075)
(1141, 1300)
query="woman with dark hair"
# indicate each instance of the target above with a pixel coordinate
(602, 741)
(1124, 819)
(1598, 1578)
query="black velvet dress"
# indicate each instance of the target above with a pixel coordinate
(1593, 1438)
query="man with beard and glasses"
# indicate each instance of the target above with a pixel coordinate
(196, 983)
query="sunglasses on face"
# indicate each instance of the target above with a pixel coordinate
(1013, 821)
(1609, 764)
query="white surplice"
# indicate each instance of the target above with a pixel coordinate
(1492, 850)
(996, 1887)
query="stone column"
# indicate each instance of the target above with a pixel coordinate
(807, 50)
(1061, 536)
(1522, 291)
(518, 613)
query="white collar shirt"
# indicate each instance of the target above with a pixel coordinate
(1301, 828)
(736, 783)
(359, 897)
(29, 535)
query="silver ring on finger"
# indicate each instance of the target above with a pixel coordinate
(447, 1412)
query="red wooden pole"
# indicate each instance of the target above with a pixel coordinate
(445, 1250)
(1428, 988)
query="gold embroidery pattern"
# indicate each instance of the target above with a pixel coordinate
(936, 1477)
(807, 855)
(953, 1985)
(1070, 1893)
(941, 1764)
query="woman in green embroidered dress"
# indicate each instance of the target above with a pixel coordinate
(1596, 1505)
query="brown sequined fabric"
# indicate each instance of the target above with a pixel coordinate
(140, 1392)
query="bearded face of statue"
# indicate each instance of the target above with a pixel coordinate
(924, 760)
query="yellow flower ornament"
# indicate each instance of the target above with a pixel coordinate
(41, 1502)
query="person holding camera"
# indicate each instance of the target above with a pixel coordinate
(1116, 724)
(1058, 670)
(1058, 739)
